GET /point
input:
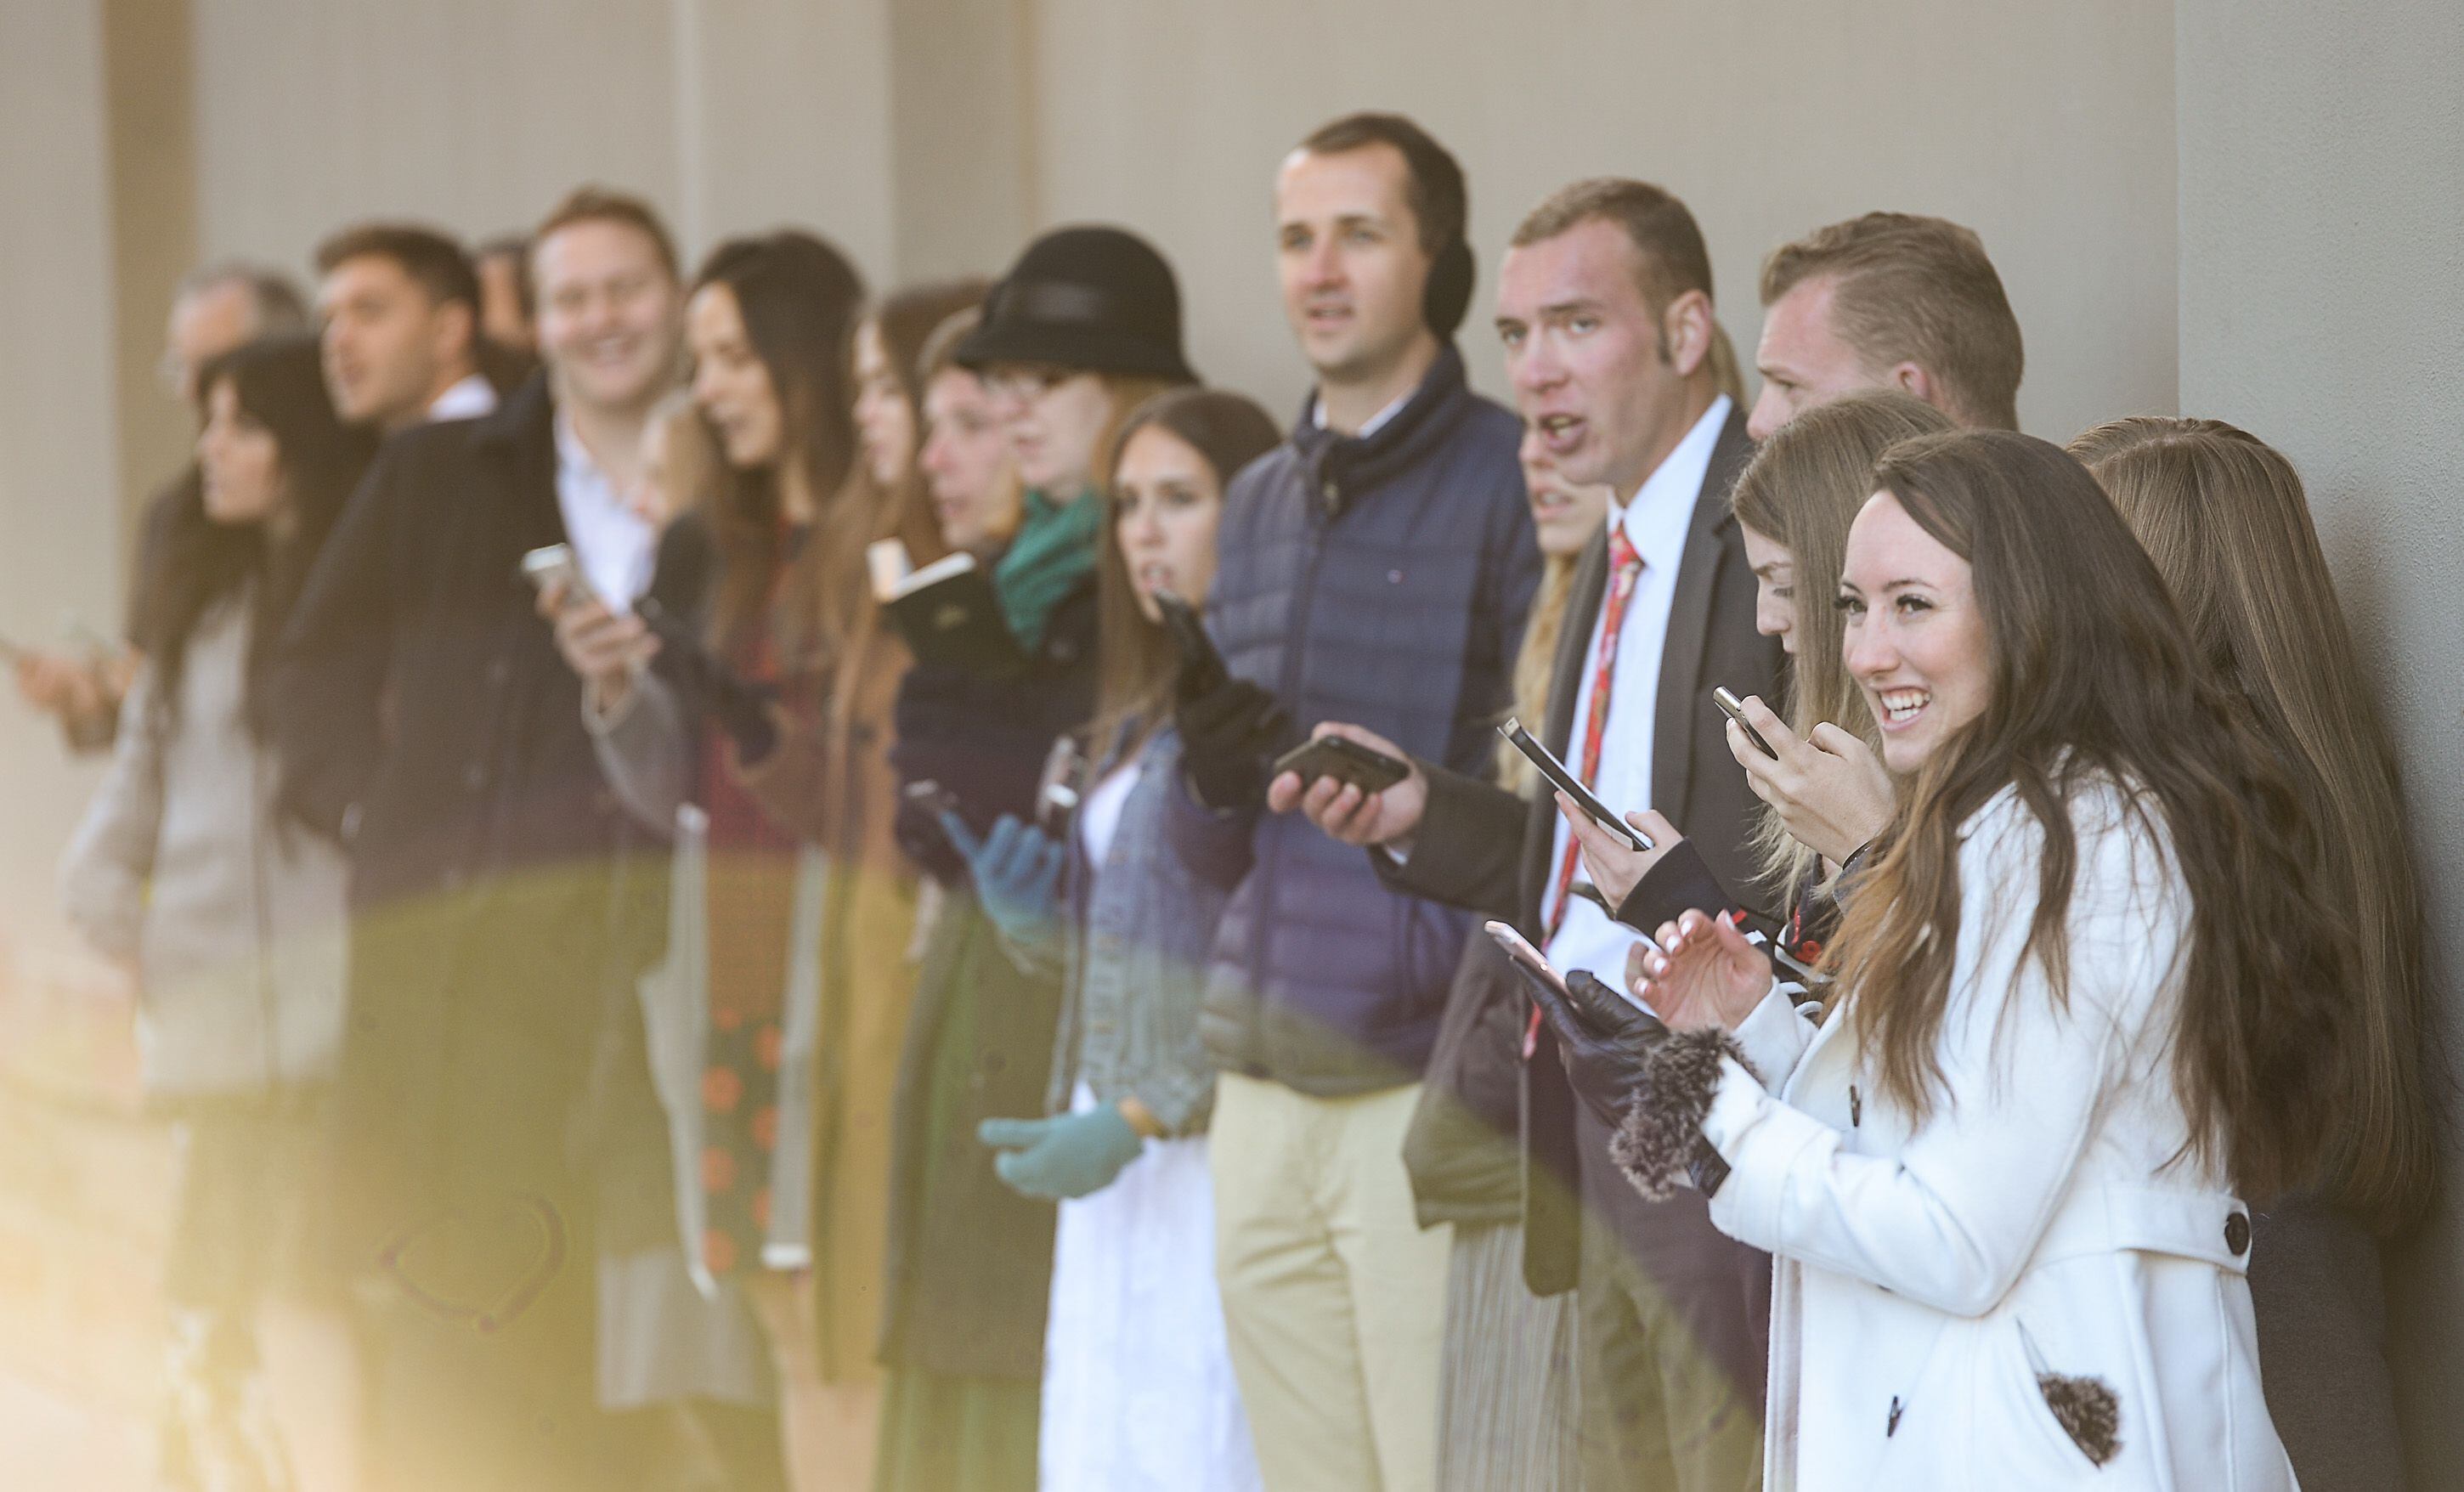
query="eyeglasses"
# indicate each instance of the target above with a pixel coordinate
(1024, 380)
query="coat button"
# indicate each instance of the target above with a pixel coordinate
(499, 670)
(474, 777)
(2237, 1233)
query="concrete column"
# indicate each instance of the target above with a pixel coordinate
(2322, 163)
(59, 431)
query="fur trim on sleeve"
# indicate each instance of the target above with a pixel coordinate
(1661, 1138)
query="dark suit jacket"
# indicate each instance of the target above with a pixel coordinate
(422, 709)
(1482, 846)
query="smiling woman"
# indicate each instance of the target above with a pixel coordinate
(2007, 1183)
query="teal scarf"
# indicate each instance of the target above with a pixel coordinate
(1054, 550)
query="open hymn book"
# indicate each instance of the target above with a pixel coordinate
(947, 610)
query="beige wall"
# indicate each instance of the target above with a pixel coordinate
(59, 527)
(2323, 307)
(2049, 128)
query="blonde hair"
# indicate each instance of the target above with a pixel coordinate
(1535, 668)
(1726, 375)
(1802, 490)
(2224, 517)
(1921, 290)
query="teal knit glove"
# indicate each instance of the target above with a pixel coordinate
(1067, 1156)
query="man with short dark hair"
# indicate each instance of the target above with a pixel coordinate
(1375, 566)
(1887, 301)
(401, 312)
(424, 713)
(1604, 306)
(216, 307)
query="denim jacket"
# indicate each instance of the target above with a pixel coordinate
(1140, 931)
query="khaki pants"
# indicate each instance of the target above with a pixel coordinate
(1334, 1298)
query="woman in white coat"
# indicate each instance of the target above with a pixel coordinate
(2002, 1174)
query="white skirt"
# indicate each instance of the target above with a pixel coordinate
(1139, 1392)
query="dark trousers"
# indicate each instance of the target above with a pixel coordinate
(1675, 1325)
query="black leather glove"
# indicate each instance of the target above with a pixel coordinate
(1604, 1040)
(1228, 735)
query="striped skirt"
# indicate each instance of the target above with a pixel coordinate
(1507, 1408)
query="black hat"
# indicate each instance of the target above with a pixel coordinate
(1099, 299)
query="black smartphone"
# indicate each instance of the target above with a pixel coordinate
(1343, 759)
(1564, 781)
(1201, 667)
(1735, 709)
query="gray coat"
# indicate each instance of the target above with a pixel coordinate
(234, 916)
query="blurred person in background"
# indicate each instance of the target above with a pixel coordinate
(233, 915)
(807, 905)
(1139, 1392)
(1887, 301)
(423, 709)
(965, 458)
(1086, 327)
(507, 309)
(400, 308)
(1509, 1411)
(215, 309)
(681, 462)
(2224, 517)
(1375, 566)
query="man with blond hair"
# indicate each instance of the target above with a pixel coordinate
(1887, 301)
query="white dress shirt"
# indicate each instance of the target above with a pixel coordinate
(614, 545)
(467, 398)
(1369, 427)
(1654, 522)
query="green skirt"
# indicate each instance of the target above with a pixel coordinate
(945, 1434)
(941, 1432)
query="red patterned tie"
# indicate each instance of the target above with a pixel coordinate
(1625, 568)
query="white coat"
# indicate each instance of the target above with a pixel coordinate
(2045, 1217)
(235, 916)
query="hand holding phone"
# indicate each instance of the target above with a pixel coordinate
(552, 566)
(1359, 798)
(1344, 760)
(1830, 789)
(1604, 1037)
(1735, 709)
(1566, 782)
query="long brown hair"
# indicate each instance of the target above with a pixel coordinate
(1802, 490)
(2095, 680)
(863, 509)
(2225, 519)
(798, 297)
(1135, 659)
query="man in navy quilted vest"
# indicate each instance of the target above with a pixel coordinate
(1375, 568)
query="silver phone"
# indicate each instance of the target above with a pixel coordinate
(554, 564)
